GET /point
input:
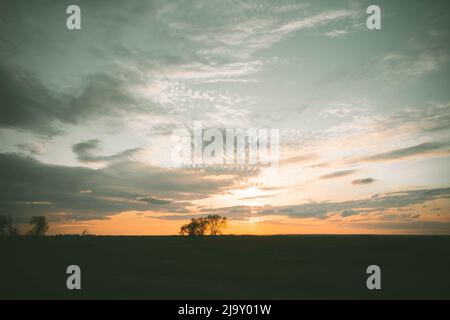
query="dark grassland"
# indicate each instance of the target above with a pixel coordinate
(228, 267)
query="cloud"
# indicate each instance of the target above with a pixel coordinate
(153, 200)
(239, 34)
(314, 21)
(113, 189)
(84, 151)
(235, 212)
(299, 159)
(379, 203)
(34, 148)
(205, 72)
(363, 181)
(426, 51)
(404, 68)
(29, 105)
(103, 94)
(336, 33)
(338, 174)
(403, 153)
(259, 197)
(26, 103)
(348, 213)
(138, 77)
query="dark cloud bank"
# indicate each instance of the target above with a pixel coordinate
(29, 105)
(29, 187)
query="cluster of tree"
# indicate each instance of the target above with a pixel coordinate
(199, 226)
(39, 226)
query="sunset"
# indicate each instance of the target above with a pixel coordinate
(363, 117)
(224, 118)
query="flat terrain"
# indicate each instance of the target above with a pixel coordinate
(229, 267)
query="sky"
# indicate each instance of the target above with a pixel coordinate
(87, 116)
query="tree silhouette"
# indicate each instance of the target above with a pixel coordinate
(6, 227)
(40, 226)
(198, 227)
(3, 224)
(216, 223)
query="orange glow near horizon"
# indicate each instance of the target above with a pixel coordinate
(144, 223)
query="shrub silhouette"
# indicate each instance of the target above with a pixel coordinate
(3, 224)
(40, 226)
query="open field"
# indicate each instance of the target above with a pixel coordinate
(229, 267)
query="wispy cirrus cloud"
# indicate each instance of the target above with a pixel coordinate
(336, 33)
(405, 68)
(314, 21)
(240, 40)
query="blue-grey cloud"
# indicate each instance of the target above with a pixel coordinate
(85, 152)
(26, 184)
(154, 200)
(379, 203)
(338, 174)
(29, 105)
(403, 153)
(26, 103)
(363, 181)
